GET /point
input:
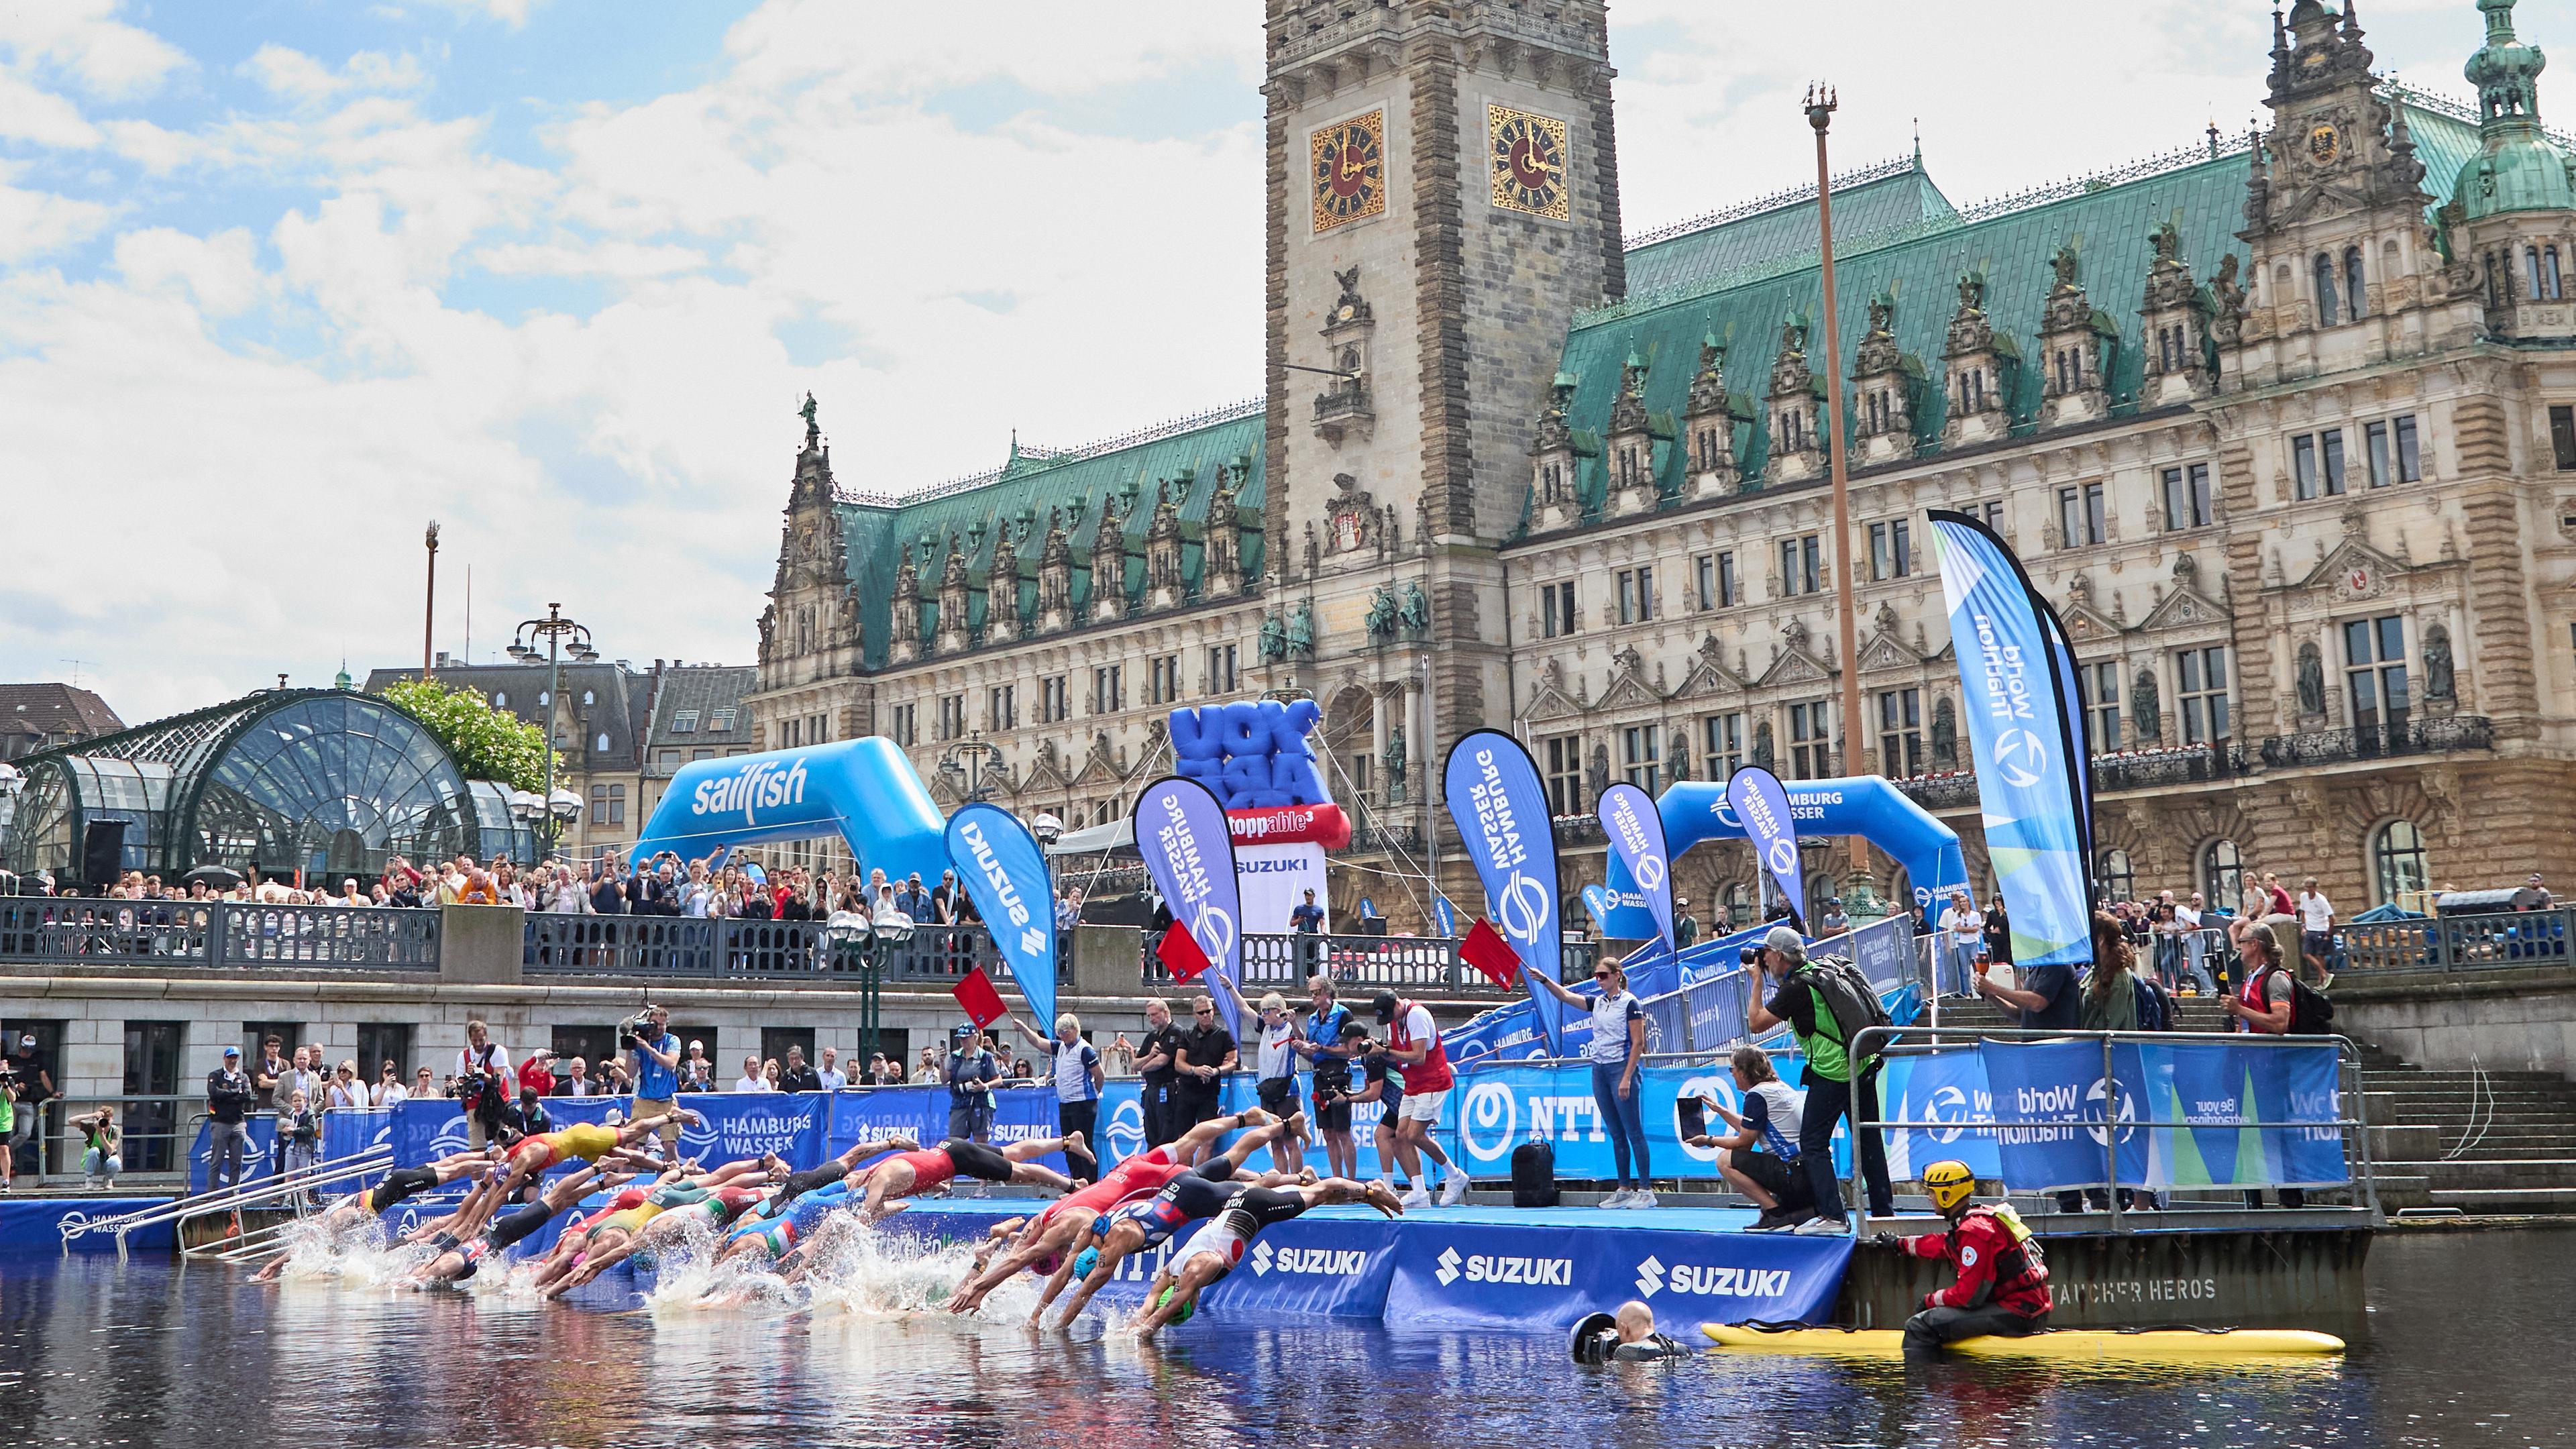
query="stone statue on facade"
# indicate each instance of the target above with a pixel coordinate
(1395, 765)
(1274, 638)
(1945, 735)
(2438, 682)
(1415, 615)
(1596, 771)
(2144, 704)
(2312, 681)
(1301, 630)
(1762, 744)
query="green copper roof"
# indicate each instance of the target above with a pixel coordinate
(2109, 219)
(1894, 193)
(2516, 169)
(1030, 488)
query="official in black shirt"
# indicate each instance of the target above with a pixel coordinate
(1206, 1054)
(1154, 1065)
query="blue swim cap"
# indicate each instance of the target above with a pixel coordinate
(1085, 1261)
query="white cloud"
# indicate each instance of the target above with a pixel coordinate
(38, 223)
(105, 56)
(219, 273)
(28, 113)
(292, 75)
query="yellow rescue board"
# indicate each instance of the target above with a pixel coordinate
(2071, 1343)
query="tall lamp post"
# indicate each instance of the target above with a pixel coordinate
(968, 757)
(429, 609)
(558, 808)
(1860, 894)
(853, 934)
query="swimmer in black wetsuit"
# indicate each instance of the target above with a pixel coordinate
(1143, 1223)
(398, 1184)
(461, 1254)
(1212, 1252)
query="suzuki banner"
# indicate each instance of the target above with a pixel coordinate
(1005, 874)
(1485, 1275)
(1762, 804)
(1181, 832)
(1500, 806)
(872, 1114)
(1636, 835)
(2030, 756)
(1272, 880)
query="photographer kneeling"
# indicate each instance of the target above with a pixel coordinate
(1760, 1158)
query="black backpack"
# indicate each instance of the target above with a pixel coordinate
(1847, 994)
(1534, 1175)
(2311, 1010)
(2155, 1005)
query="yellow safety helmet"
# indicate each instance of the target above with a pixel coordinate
(1948, 1183)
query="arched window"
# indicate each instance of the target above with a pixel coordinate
(2113, 879)
(602, 745)
(500, 699)
(588, 699)
(2495, 291)
(2353, 295)
(2222, 873)
(2531, 260)
(2397, 862)
(545, 698)
(2325, 276)
(2549, 272)
(1739, 905)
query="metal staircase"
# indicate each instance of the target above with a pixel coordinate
(289, 1190)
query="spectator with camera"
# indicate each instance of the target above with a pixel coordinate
(483, 1083)
(299, 1138)
(102, 1147)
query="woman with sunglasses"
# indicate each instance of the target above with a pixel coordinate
(1617, 1052)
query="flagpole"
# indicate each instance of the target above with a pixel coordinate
(1859, 895)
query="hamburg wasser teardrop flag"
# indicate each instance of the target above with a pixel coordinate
(2016, 683)
(1500, 805)
(1635, 830)
(1761, 802)
(1189, 851)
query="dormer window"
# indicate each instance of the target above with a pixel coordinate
(684, 722)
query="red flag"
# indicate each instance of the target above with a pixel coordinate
(1487, 951)
(974, 991)
(1180, 951)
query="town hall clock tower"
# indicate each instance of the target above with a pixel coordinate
(1443, 195)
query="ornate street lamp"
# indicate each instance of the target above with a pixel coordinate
(854, 934)
(555, 808)
(968, 757)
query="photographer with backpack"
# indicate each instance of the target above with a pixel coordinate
(2274, 1002)
(1826, 1003)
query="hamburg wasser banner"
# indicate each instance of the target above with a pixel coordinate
(1181, 832)
(1006, 876)
(1500, 805)
(1636, 835)
(1762, 804)
(2029, 743)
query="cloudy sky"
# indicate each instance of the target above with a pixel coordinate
(283, 280)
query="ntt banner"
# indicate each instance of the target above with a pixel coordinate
(1005, 874)
(2030, 754)
(1636, 835)
(1181, 831)
(1758, 800)
(1500, 806)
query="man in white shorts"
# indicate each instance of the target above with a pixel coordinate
(1413, 1045)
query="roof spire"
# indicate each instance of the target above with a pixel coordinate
(1918, 143)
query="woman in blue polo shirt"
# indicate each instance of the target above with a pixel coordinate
(1617, 1052)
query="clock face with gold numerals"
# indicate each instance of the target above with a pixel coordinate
(2324, 145)
(1528, 162)
(1349, 170)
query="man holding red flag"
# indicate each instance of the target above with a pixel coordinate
(1413, 1045)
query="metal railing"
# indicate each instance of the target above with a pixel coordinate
(2482, 942)
(728, 949)
(1282, 962)
(1885, 1041)
(80, 931)
(2418, 735)
(293, 1188)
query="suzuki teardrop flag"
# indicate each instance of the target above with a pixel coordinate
(2017, 687)
(1179, 952)
(1635, 830)
(1500, 806)
(1762, 804)
(1005, 874)
(1487, 951)
(975, 992)
(1181, 831)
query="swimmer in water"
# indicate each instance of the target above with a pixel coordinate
(1047, 1240)
(616, 1237)
(588, 1141)
(1212, 1252)
(909, 1174)
(1141, 1224)
(398, 1184)
(459, 1256)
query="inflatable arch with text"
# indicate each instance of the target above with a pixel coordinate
(1866, 806)
(863, 790)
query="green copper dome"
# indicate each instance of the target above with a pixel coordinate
(2516, 169)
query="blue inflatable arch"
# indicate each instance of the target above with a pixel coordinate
(1867, 806)
(862, 790)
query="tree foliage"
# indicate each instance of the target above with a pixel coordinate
(488, 744)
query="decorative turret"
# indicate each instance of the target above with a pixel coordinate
(2510, 209)
(1978, 358)
(1708, 426)
(1163, 586)
(2074, 339)
(1632, 444)
(1002, 584)
(1109, 564)
(955, 619)
(2176, 368)
(1555, 499)
(1055, 577)
(1797, 450)
(904, 646)
(1883, 383)
(1347, 407)
(1221, 537)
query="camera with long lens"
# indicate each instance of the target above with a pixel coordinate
(636, 1030)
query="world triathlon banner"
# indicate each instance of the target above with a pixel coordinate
(2031, 1114)
(1181, 832)
(1500, 806)
(1762, 804)
(2029, 752)
(1005, 874)
(1636, 835)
